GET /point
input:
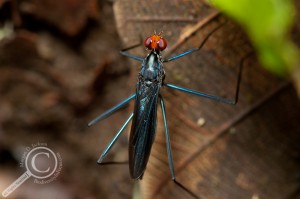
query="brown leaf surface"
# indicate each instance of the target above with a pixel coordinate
(52, 83)
(250, 150)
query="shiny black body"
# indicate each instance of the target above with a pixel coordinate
(147, 97)
(143, 127)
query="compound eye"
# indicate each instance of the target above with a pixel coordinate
(162, 44)
(148, 42)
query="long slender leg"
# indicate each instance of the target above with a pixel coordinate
(169, 151)
(132, 56)
(123, 52)
(194, 49)
(106, 150)
(111, 111)
(201, 94)
(181, 54)
(213, 97)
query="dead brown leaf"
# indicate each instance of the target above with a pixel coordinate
(242, 151)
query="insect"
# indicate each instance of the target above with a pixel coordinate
(147, 96)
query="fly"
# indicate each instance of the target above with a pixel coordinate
(147, 96)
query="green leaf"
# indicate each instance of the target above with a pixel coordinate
(267, 23)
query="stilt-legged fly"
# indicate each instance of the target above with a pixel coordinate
(147, 96)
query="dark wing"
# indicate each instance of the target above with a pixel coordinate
(143, 127)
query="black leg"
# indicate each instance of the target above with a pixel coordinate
(109, 146)
(111, 111)
(194, 49)
(169, 151)
(123, 52)
(213, 97)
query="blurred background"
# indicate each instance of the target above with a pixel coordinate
(60, 67)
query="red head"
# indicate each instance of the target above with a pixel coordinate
(155, 42)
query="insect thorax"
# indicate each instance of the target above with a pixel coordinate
(152, 69)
